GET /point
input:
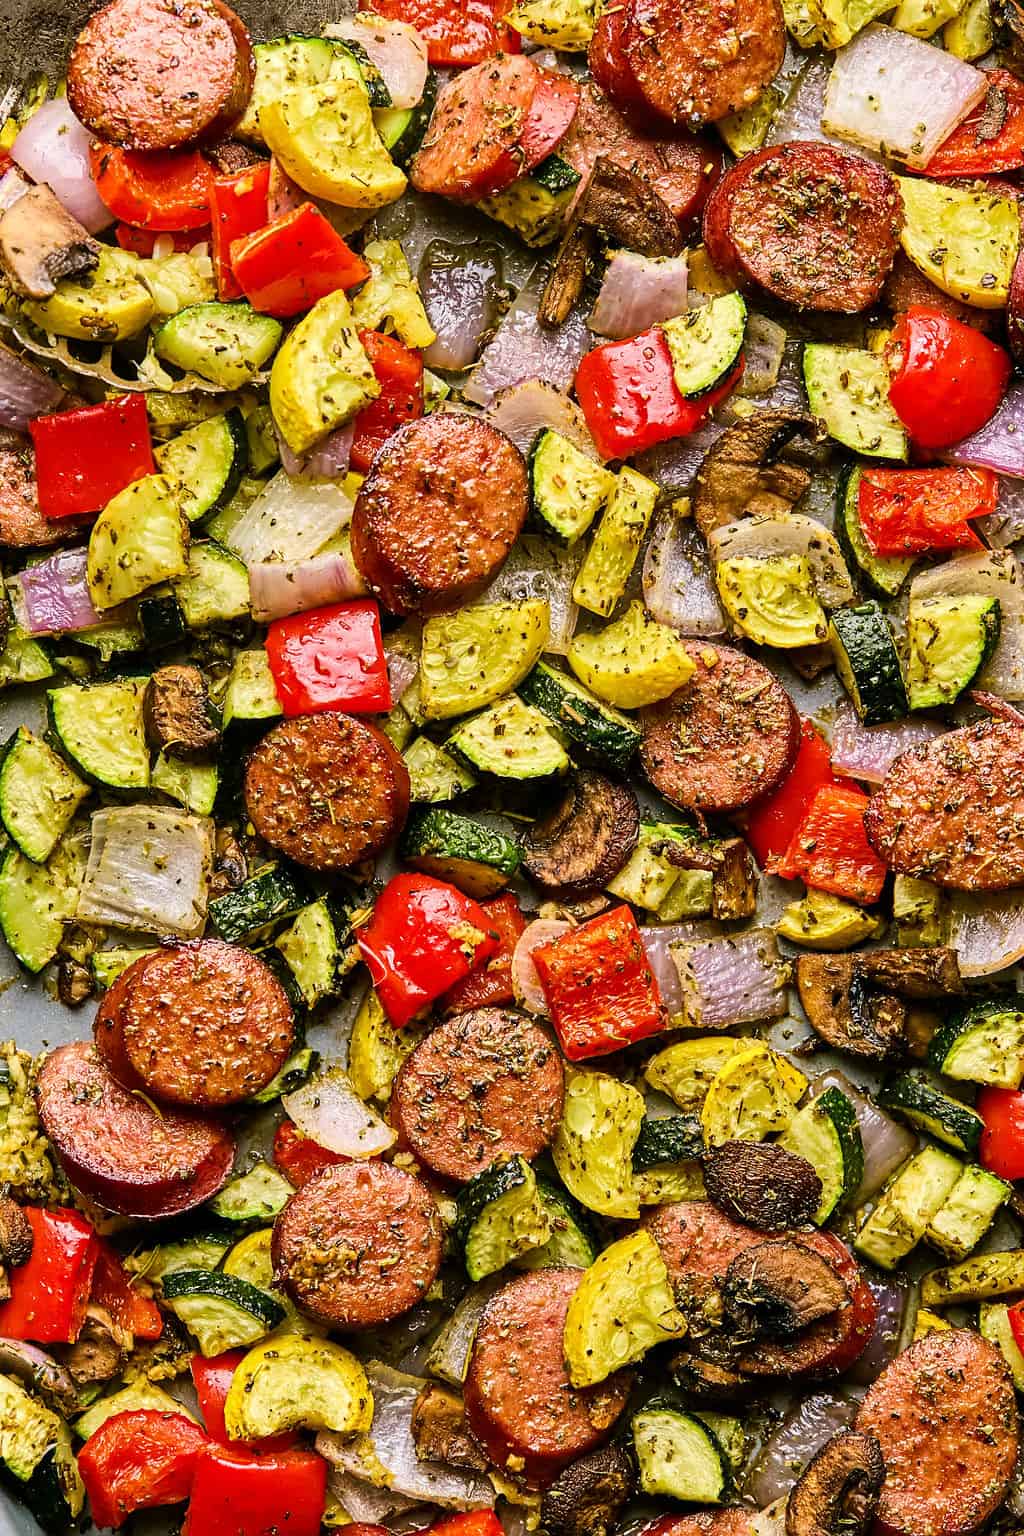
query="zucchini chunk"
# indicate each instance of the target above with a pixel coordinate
(473, 656)
(867, 663)
(500, 1217)
(964, 239)
(376, 1049)
(254, 1196)
(982, 1044)
(250, 695)
(138, 539)
(915, 1099)
(679, 1457)
(228, 344)
(593, 1146)
(994, 1325)
(597, 729)
(193, 785)
(601, 579)
(222, 1311)
(299, 1066)
(705, 343)
(511, 741)
(206, 463)
(567, 487)
(434, 775)
(949, 640)
(884, 574)
(633, 662)
(563, 24)
(572, 1244)
(622, 1307)
(978, 1279)
(478, 859)
(37, 1463)
(672, 1139)
(36, 900)
(848, 391)
(772, 599)
(284, 63)
(260, 901)
(101, 727)
(214, 588)
(318, 950)
(403, 129)
(39, 795)
(142, 1395)
(108, 304)
(907, 1206)
(321, 377)
(827, 922)
(967, 1212)
(107, 964)
(297, 1383)
(827, 1134)
(685, 1071)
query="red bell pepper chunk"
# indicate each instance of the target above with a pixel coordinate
(212, 1377)
(284, 268)
(330, 658)
(112, 1290)
(913, 511)
(773, 820)
(1001, 1149)
(84, 457)
(238, 207)
(50, 1293)
(399, 372)
(423, 937)
(947, 379)
(599, 986)
(139, 1460)
(298, 1157)
(162, 189)
(143, 241)
(830, 850)
(455, 34)
(1015, 1317)
(491, 985)
(477, 1522)
(972, 149)
(627, 392)
(235, 1494)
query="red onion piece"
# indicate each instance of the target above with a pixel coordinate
(890, 1306)
(867, 752)
(1004, 526)
(678, 586)
(523, 349)
(674, 464)
(999, 444)
(987, 933)
(802, 1433)
(278, 589)
(402, 670)
(329, 460)
(735, 979)
(461, 288)
(539, 570)
(328, 1110)
(25, 391)
(283, 194)
(395, 47)
(638, 292)
(53, 147)
(657, 940)
(525, 981)
(55, 595)
(525, 410)
(886, 1143)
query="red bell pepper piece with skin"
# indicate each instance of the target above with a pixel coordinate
(1001, 1149)
(212, 1377)
(455, 34)
(330, 658)
(423, 937)
(491, 985)
(477, 1522)
(84, 457)
(284, 268)
(627, 392)
(946, 378)
(238, 207)
(168, 189)
(139, 1460)
(112, 1290)
(298, 1157)
(235, 1494)
(1015, 1317)
(830, 851)
(773, 821)
(599, 986)
(914, 511)
(399, 371)
(971, 149)
(143, 241)
(50, 1293)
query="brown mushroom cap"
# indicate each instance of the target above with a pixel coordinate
(779, 1288)
(742, 475)
(585, 1499)
(762, 1184)
(16, 1236)
(586, 839)
(839, 1488)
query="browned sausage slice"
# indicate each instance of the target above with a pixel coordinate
(945, 1417)
(470, 147)
(953, 811)
(704, 1522)
(485, 1084)
(814, 226)
(153, 74)
(698, 1242)
(519, 1401)
(118, 1149)
(725, 738)
(696, 63)
(204, 1024)
(443, 504)
(359, 1244)
(327, 790)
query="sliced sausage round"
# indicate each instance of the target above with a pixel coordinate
(118, 1149)
(953, 811)
(442, 505)
(204, 1024)
(697, 1243)
(483, 1085)
(945, 1417)
(327, 790)
(702, 1522)
(725, 738)
(359, 1244)
(471, 147)
(608, 64)
(520, 1403)
(694, 64)
(154, 74)
(815, 226)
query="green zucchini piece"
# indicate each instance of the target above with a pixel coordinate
(994, 1325)
(138, 540)
(510, 740)
(283, 64)
(567, 487)
(292, 1075)
(220, 1310)
(848, 390)
(623, 1307)
(372, 79)
(667, 1183)
(39, 795)
(534, 207)
(729, 1432)
(100, 726)
(161, 620)
(107, 964)
(705, 343)
(916, 1099)
(201, 1250)
(867, 663)
(673, 1139)
(23, 660)
(601, 579)
(36, 900)
(884, 574)
(206, 463)
(599, 730)
(907, 1206)
(977, 1279)
(402, 129)
(140, 1396)
(193, 785)
(478, 859)
(476, 655)
(228, 344)
(826, 1133)
(920, 910)
(36, 1460)
(983, 1043)
(433, 773)
(250, 694)
(679, 1457)
(259, 901)
(376, 1049)
(254, 1196)
(967, 1212)
(572, 1244)
(949, 640)
(318, 949)
(262, 451)
(214, 588)
(500, 1216)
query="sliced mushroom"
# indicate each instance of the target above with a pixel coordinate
(777, 1289)
(231, 156)
(708, 1380)
(74, 982)
(742, 474)
(918, 974)
(99, 1352)
(40, 243)
(586, 839)
(41, 1373)
(440, 1431)
(762, 1184)
(837, 1493)
(179, 716)
(730, 861)
(16, 1236)
(587, 1498)
(846, 1011)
